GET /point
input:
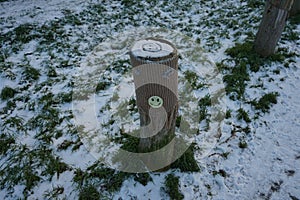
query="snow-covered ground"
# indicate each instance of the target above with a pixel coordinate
(59, 36)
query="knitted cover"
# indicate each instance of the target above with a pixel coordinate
(155, 73)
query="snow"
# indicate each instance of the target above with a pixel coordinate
(24, 11)
(132, 189)
(150, 48)
(269, 168)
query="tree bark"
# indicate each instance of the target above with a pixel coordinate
(272, 24)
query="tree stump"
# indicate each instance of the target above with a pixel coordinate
(155, 73)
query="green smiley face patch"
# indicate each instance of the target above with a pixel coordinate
(155, 101)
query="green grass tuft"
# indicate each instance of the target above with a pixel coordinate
(132, 107)
(5, 143)
(243, 144)
(295, 19)
(129, 143)
(178, 121)
(221, 172)
(172, 187)
(203, 104)
(27, 167)
(187, 162)
(23, 33)
(7, 93)
(121, 66)
(102, 86)
(236, 81)
(52, 73)
(244, 52)
(228, 114)
(54, 193)
(31, 73)
(65, 97)
(243, 115)
(143, 178)
(265, 102)
(255, 3)
(89, 192)
(109, 179)
(193, 79)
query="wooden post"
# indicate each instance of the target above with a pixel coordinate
(155, 67)
(272, 25)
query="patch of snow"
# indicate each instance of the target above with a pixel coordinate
(149, 48)
(19, 12)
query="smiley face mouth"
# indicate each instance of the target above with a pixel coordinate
(155, 101)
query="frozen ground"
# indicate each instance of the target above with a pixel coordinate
(43, 45)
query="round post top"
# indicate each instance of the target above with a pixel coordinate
(153, 49)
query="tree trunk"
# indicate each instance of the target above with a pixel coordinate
(272, 25)
(295, 8)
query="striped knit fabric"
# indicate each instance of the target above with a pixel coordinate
(151, 78)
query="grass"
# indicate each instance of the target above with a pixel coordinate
(244, 53)
(31, 73)
(46, 122)
(105, 179)
(121, 66)
(5, 143)
(186, 162)
(243, 115)
(236, 81)
(104, 82)
(52, 73)
(7, 93)
(295, 19)
(102, 86)
(220, 172)
(65, 97)
(10, 105)
(265, 102)
(67, 144)
(14, 122)
(237, 76)
(204, 103)
(193, 79)
(23, 33)
(29, 166)
(255, 3)
(62, 44)
(228, 114)
(132, 107)
(172, 187)
(243, 144)
(129, 143)
(109, 179)
(89, 192)
(54, 193)
(237, 69)
(143, 178)
(178, 121)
